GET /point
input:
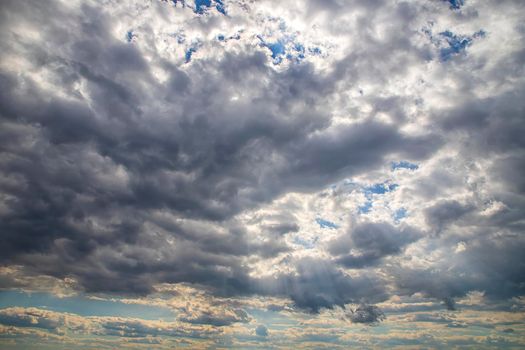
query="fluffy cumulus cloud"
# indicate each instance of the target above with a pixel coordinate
(263, 171)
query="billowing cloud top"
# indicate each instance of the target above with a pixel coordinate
(262, 172)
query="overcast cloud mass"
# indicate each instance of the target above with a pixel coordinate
(262, 174)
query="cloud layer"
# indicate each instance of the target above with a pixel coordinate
(319, 154)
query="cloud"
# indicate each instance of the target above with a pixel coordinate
(366, 314)
(371, 242)
(222, 319)
(318, 284)
(482, 266)
(58, 322)
(173, 143)
(103, 162)
(261, 330)
(444, 213)
(30, 318)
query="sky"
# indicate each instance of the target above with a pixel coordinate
(257, 174)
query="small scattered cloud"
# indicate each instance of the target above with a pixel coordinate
(261, 331)
(369, 314)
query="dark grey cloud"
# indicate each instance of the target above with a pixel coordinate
(495, 123)
(444, 213)
(449, 303)
(122, 181)
(320, 284)
(508, 171)
(489, 263)
(366, 314)
(87, 172)
(367, 243)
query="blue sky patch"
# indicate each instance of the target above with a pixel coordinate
(277, 48)
(299, 48)
(456, 43)
(450, 44)
(224, 38)
(219, 5)
(285, 44)
(130, 36)
(365, 208)
(189, 53)
(375, 189)
(325, 223)
(84, 306)
(456, 4)
(380, 188)
(305, 243)
(315, 50)
(399, 214)
(404, 165)
(191, 50)
(201, 5)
